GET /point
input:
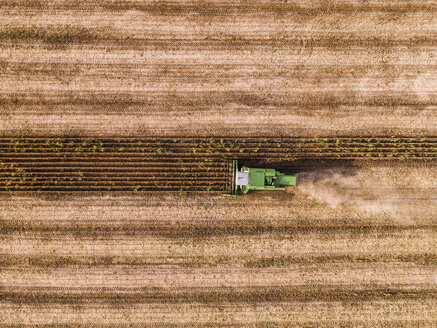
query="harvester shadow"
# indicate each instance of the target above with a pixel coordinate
(345, 167)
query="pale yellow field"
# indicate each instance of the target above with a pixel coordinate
(353, 246)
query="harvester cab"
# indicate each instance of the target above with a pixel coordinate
(256, 179)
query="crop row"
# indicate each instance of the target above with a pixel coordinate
(70, 176)
(213, 146)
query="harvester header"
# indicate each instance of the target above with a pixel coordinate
(256, 179)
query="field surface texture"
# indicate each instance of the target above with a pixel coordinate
(117, 119)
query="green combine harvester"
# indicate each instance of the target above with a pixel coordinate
(256, 179)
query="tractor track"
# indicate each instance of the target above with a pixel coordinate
(123, 164)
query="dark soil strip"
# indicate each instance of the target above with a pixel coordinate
(259, 324)
(47, 261)
(117, 102)
(213, 72)
(65, 35)
(208, 8)
(200, 295)
(200, 230)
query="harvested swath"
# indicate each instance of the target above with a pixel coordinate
(402, 274)
(418, 313)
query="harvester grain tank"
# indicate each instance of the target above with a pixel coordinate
(256, 179)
